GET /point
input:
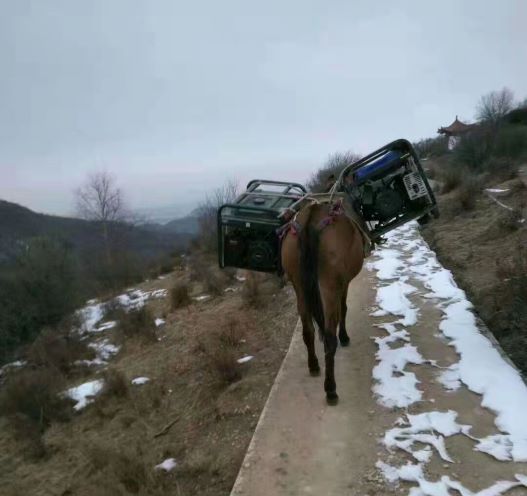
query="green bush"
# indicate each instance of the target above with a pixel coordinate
(41, 288)
(511, 142)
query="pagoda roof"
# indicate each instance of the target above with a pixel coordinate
(457, 127)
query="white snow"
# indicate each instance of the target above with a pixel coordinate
(105, 326)
(139, 381)
(394, 386)
(245, 359)
(85, 393)
(92, 313)
(407, 258)
(496, 190)
(392, 300)
(449, 377)
(202, 297)
(167, 465)
(13, 365)
(159, 322)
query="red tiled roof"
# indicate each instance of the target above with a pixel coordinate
(457, 127)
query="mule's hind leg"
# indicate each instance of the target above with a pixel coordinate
(343, 335)
(308, 333)
(331, 304)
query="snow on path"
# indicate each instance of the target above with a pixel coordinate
(404, 258)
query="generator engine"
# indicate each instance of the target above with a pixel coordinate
(388, 188)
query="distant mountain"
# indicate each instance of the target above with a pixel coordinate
(18, 223)
(167, 213)
(183, 225)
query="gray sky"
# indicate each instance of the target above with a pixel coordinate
(172, 97)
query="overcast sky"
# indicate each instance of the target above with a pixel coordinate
(172, 97)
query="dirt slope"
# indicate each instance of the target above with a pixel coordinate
(186, 411)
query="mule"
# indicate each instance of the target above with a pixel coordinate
(321, 252)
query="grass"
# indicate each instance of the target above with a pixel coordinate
(468, 192)
(138, 323)
(180, 296)
(252, 295)
(451, 177)
(115, 384)
(212, 280)
(222, 360)
(35, 395)
(58, 350)
(231, 331)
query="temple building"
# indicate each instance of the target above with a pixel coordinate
(454, 131)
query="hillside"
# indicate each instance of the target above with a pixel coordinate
(18, 223)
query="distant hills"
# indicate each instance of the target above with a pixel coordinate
(18, 223)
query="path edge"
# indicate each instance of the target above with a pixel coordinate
(251, 448)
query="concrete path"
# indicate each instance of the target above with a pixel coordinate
(301, 446)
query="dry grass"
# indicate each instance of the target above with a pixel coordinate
(205, 272)
(252, 294)
(510, 220)
(122, 466)
(180, 296)
(115, 384)
(222, 360)
(231, 331)
(138, 323)
(451, 177)
(34, 394)
(31, 401)
(468, 192)
(59, 350)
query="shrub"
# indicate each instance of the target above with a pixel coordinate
(223, 362)
(511, 142)
(231, 331)
(318, 182)
(42, 287)
(252, 292)
(138, 323)
(35, 396)
(451, 177)
(201, 271)
(474, 148)
(115, 384)
(59, 350)
(510, 220)
(468, 192)
(179, 296)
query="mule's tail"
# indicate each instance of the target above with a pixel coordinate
(309, 241)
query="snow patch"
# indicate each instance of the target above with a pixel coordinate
(139, 381)
(167, 465)
(85, 393)
(245, 359)
(159, 322)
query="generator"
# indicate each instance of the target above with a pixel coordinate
(388, 188)
(384, 190)
(247, 229)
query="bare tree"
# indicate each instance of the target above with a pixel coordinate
(100, 200)
(207, 212)
(331, 170)
(493, 106)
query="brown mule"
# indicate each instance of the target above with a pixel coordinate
(321, 254)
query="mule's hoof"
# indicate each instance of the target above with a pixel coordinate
(345, 341)
(332, 398)
(314, 372)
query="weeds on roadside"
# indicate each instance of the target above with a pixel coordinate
(252, 294)
(59, 350)
(138, 323)
(179, 296)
